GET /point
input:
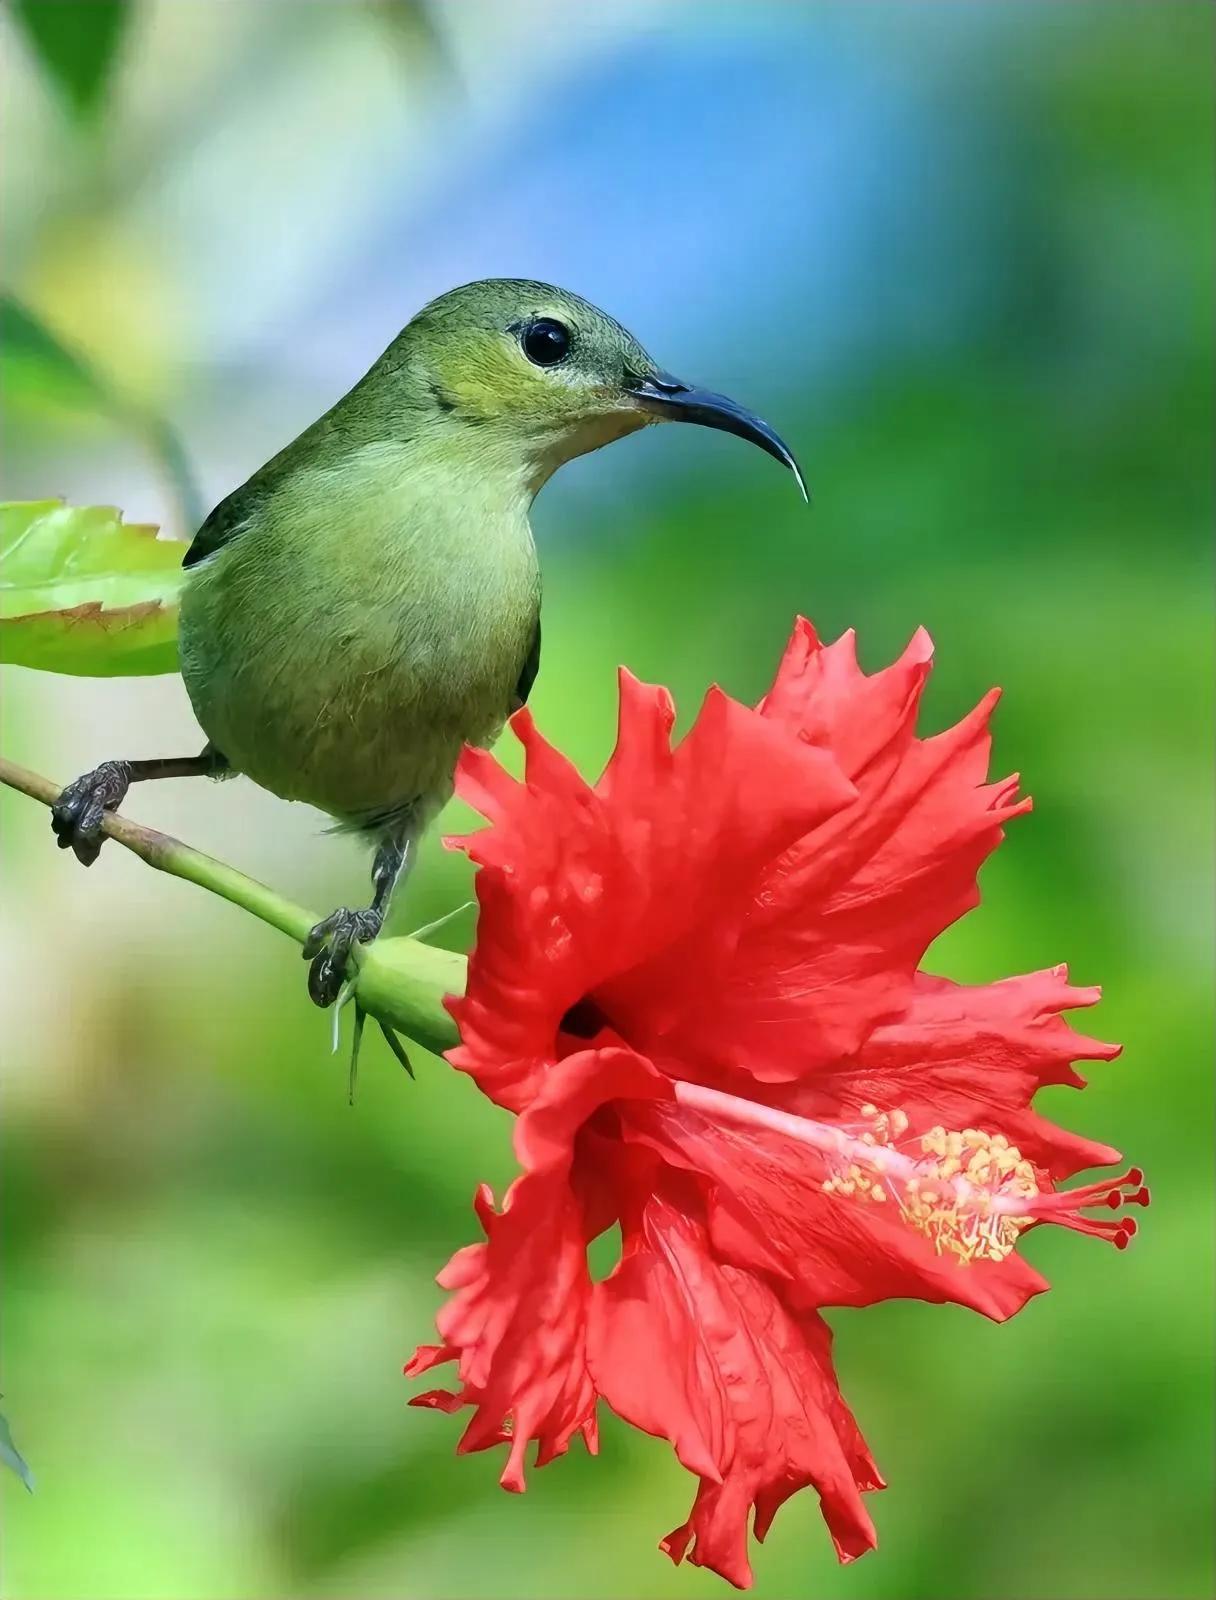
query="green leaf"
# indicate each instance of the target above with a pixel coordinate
(77, 42)
(12, 1457)
(83, 592)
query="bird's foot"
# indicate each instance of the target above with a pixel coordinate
(329, 945)
(77, 815)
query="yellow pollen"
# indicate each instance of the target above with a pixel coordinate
(944, 1184)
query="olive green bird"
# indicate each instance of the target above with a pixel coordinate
(369, 601)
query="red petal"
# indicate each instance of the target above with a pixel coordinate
(971, 1057)
(707, 1356)
(630, 889)
(821, 694)
(517, 1319)
(841, 920)
(518, 1328)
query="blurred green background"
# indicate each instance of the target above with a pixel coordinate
(962, 258)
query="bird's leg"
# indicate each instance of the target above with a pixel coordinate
(77, 815)
(329, 944)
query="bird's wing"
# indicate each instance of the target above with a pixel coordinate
(527, 676)
(228, 519)
(239, 510)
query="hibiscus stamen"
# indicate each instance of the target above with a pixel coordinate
(970, 1192)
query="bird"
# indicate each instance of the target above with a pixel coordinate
(368, 602)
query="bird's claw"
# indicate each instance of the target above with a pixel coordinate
(77, 815)
(329, 945)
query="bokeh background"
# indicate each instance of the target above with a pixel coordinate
(962, 258)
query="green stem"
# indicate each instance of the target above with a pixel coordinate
(400, 981)
(170, 855)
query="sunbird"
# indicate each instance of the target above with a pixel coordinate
(369, 601)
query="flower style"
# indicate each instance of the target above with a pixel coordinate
(697, 985)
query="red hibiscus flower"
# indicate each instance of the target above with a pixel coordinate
(696, 984)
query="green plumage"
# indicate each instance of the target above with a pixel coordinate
(358, 630)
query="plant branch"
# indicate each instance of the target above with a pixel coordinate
(401, 982)
(166, 854)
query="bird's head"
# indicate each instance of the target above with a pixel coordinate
(550, 375)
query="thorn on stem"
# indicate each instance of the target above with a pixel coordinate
(396, 1046)
(356, 1041)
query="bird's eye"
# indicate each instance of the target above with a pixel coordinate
(545, 342)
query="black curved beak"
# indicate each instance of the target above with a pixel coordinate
(667, 397)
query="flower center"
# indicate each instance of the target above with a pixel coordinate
(584, 1019)
(971, 1193)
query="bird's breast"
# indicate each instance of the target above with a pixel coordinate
(342, 650)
